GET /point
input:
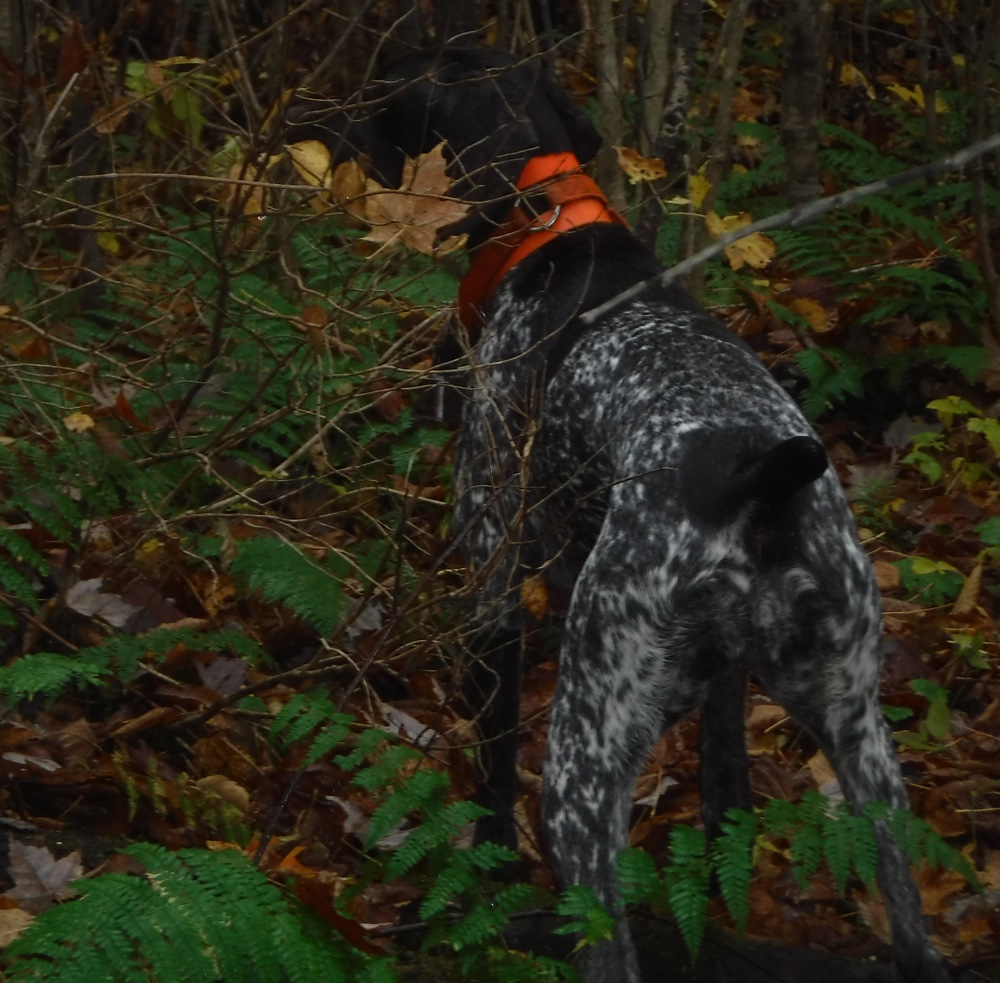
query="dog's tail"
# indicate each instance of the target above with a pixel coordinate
(724, 479)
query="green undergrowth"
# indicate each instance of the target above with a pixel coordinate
(207, 916)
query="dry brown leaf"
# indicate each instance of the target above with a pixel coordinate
(13, 921)
(535, 597)
(348, 185)
(886, 574)
(638, 168)
(107, 119)
(420, 208)
(226, 789)
(39, 879)
(966, 601)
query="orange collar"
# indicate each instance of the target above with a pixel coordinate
(574, 201)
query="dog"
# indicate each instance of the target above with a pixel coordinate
(651, 470)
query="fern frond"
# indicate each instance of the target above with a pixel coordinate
(732, 860)
(451, 883)
(589, 918)
(687, 884)
(638, 877)
(422, 790)
(194, 917)
(283, 575)
(436, 831)
(838, 850)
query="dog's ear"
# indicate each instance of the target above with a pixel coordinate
(583, 135)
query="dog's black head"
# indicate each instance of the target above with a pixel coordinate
(492, 111)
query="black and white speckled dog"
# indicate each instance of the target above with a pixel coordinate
(652, 470)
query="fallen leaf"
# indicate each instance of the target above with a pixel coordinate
(312, 160)
(966, 601)
(78, 422)
(886, 574)
(226, 789)
(815, 314)
(13, 921)
(85, 597)
(39, 879)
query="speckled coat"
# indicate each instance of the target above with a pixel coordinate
(659, 479)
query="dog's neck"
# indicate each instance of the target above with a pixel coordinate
(558, 198)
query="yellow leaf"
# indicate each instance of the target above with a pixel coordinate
(851, 75)
(698, 187)
(814, 313)
(754, 250)
(922, 565)
(312, 160)
(535, 597)
(78, 422)
(109, 242)
(916, 97)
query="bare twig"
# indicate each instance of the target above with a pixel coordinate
(795, 218)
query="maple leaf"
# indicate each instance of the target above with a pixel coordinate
(40, 879)
(420, 208)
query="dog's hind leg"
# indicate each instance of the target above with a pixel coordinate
(832, 691)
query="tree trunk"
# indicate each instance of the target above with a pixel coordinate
(806, 36)
(609, 102)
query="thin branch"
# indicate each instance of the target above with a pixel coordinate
(794, 218)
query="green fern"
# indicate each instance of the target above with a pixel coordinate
(732, 861)
(305, 713)
(422, 791)
(311, 589)
(193, 916)
(588, 917)
(687, 880)
(48, 674)
(436, 831)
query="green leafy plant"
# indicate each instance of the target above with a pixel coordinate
(934, 729)
(933, 582)
(48, 674)
(284, 574)
(190, 915)
(834, 374)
